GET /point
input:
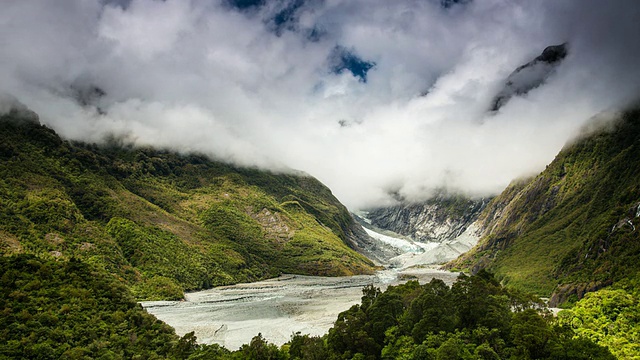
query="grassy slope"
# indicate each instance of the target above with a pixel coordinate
(572, 228)
(164, 222)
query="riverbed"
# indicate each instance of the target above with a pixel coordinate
(231, 315)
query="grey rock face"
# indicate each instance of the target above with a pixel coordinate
(530, 75)
(359, 240)
(440, 219)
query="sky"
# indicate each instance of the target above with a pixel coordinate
(380, 100)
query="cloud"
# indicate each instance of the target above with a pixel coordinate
(243, 85)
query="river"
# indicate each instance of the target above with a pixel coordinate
(277, 308)
(231, 315)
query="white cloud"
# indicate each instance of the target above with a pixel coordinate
(197, 75)
(147, 28)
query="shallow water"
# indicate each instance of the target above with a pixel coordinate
(231, 315)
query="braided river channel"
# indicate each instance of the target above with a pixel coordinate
(231, 315)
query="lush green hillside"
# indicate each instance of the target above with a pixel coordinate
(67, 310)
(610, 317)
(164, 222)
(571, 229)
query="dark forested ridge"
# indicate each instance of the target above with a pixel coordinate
(475, 318)
(571, 229)
(164, 222)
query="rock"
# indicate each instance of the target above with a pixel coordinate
(274, 225)
(9, 244)
(566, 292)
(85, 246)
(439, 219)
(54, 239)
(359, 240)
(530, 75)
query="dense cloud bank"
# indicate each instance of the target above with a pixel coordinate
(373, 97)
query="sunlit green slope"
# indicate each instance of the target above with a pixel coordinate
(164, 222)
(571, 229)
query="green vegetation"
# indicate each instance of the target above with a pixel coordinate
(86, 229)
(67, 310)
(571, 229)
(570, 232)
(474, 319)
(610, 318)
(55, 309)
(471, 320)
(163, 222)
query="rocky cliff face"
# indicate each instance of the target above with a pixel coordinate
(446, 220)
(358, 239)
(441, 218)
(530, 75)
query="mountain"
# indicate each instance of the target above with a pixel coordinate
(446, 219)
(164, 222)
(530, 75)
(571, 229)
(440, 218)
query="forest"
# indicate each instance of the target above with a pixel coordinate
(71, 310)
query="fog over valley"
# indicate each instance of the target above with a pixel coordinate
(378, 99)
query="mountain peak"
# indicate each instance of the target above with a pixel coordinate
(530, 75)
(553, 53)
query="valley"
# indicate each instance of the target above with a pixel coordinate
(277, 308)
(232, 315)
(220, 253)
(320, 180)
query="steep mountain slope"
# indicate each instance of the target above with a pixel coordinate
(446, 219)
(442, 217)
(571, 229)
(164, 222)
(530, 75)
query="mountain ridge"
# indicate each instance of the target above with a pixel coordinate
(570, 229)
(530, 75)
(441, 217)
(163, 222)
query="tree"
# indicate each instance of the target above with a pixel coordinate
(259, 349)
(610, 318)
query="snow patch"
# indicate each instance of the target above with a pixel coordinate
(405, 246)
(439, 253)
